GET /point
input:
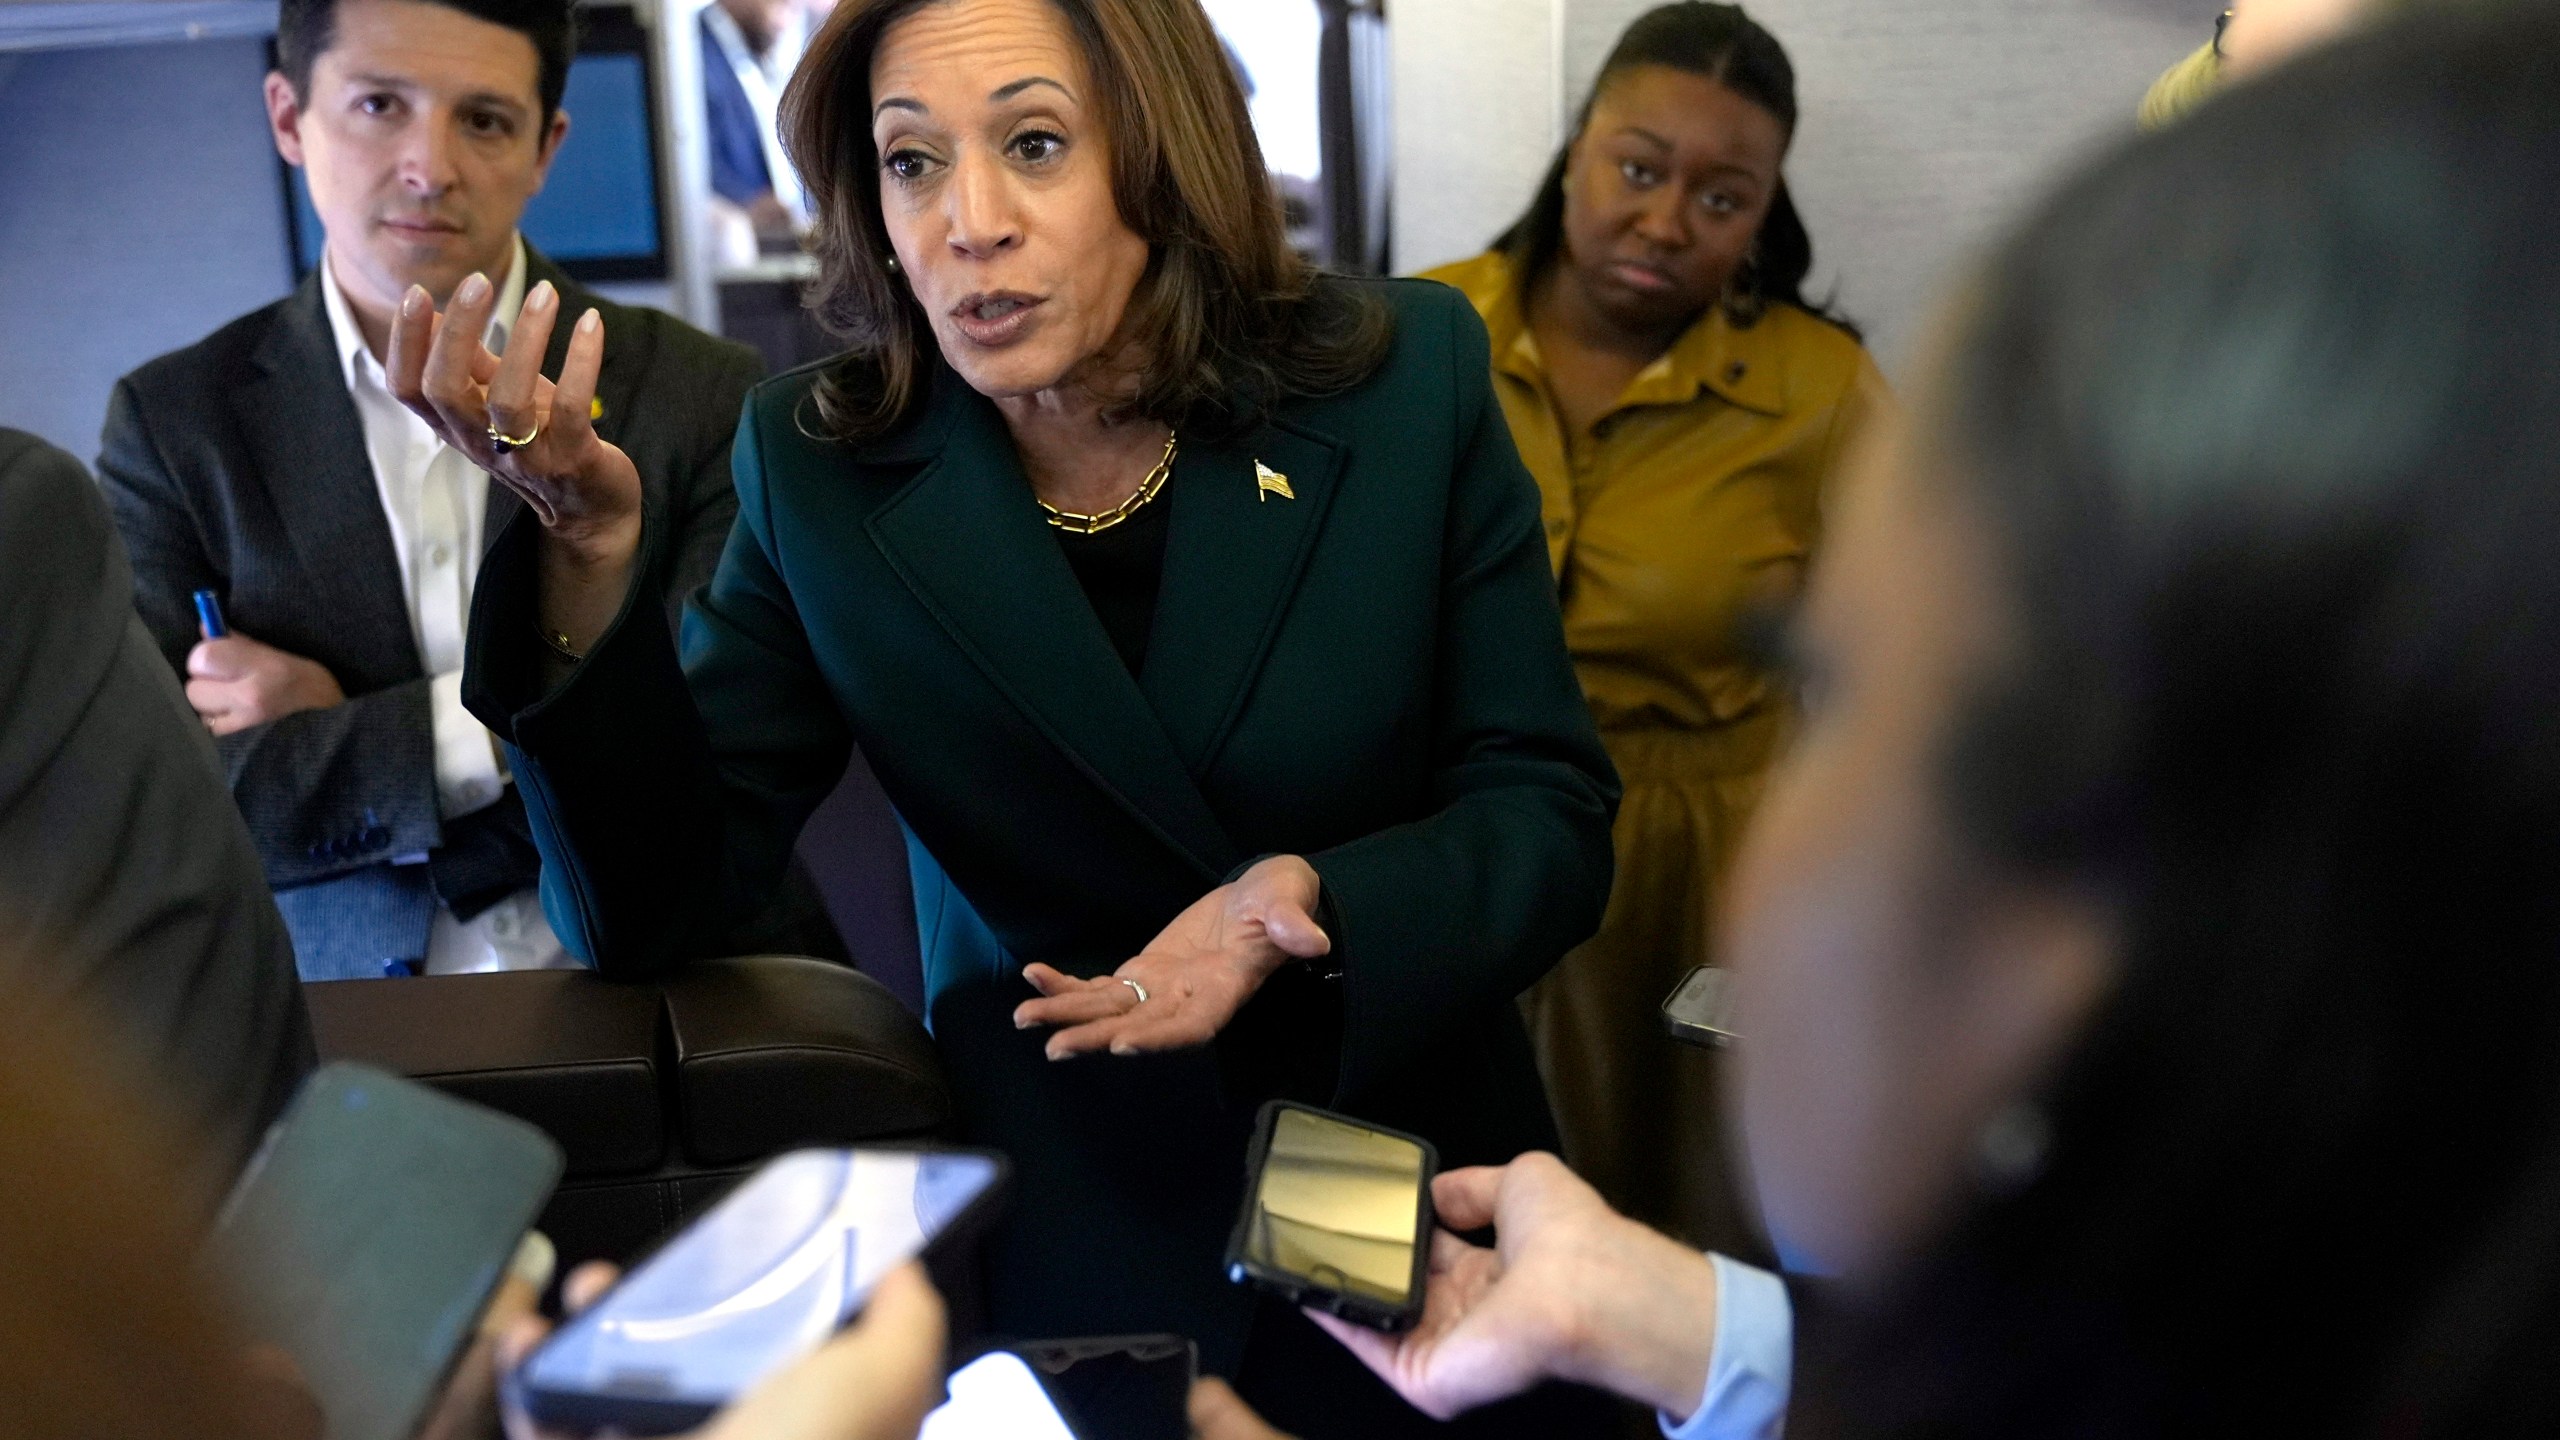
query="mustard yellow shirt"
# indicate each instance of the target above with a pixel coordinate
(1697, 495)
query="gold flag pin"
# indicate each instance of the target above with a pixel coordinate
(595, 408)
(1269, 482)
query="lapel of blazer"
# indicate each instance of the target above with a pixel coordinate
(1231, 563)
(966, 540)
(303, 435)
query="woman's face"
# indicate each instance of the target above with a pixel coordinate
(1894, 993)
(995, 181)
(1664, 193)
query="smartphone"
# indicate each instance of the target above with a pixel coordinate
(1701, 1010)
(370, 1231)
(1337, 1216)
(1125, 1387)
(759, 1280)
(999, 1396)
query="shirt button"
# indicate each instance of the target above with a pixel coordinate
(439, 554)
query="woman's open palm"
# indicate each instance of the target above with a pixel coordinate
(1189, 981)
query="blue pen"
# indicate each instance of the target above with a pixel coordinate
(209, 615)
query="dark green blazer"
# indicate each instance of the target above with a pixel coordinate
(1372, 675)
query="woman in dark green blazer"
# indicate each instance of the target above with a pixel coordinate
(1268, 776)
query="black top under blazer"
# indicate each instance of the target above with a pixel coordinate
(1371, 675)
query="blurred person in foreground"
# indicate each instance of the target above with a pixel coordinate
(1190, 605)
(105, 1329)
(2148, 1001)
(122, 862)
(1685, 410)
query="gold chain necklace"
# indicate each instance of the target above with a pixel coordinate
(1096, 523)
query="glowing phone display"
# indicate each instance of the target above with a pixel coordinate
(763, 1278)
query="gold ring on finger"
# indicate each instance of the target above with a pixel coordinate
(1133, 985)
(506, 444)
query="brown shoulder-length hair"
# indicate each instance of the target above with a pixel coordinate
(1228, 318)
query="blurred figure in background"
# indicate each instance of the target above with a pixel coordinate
(2146, 948)
(1684, 410)
(749, 49)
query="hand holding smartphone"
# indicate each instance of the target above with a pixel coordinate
(757, 1282)
(1337, 1216)
(370, 1231)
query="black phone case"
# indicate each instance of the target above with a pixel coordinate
(583, 1412)
(1297, 1289)
(1119, 1387)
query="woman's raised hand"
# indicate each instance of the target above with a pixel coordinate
(1192, 979)
(585, 490)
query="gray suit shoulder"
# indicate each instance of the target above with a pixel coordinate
(128, 878)
(45, 492)
(195, 372)
(62, 577)
(676, 347)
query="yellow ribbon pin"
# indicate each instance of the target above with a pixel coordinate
(1269, 482)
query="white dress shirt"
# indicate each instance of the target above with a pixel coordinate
(764, 77)
(437, 502)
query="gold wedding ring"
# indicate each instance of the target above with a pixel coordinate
(1134, 985)
(506, 444)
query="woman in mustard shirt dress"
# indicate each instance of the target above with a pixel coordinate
(1683, 410)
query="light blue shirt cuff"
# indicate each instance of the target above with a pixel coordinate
(1753, 1366)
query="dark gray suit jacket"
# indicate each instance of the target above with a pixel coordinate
(126, 880)
(238, 465)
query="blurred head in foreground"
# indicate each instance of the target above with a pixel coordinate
(2150, 955)
(105, 1327)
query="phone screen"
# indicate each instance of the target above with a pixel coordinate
(996, 1397)
(1337, 1206)
(763, 1278)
